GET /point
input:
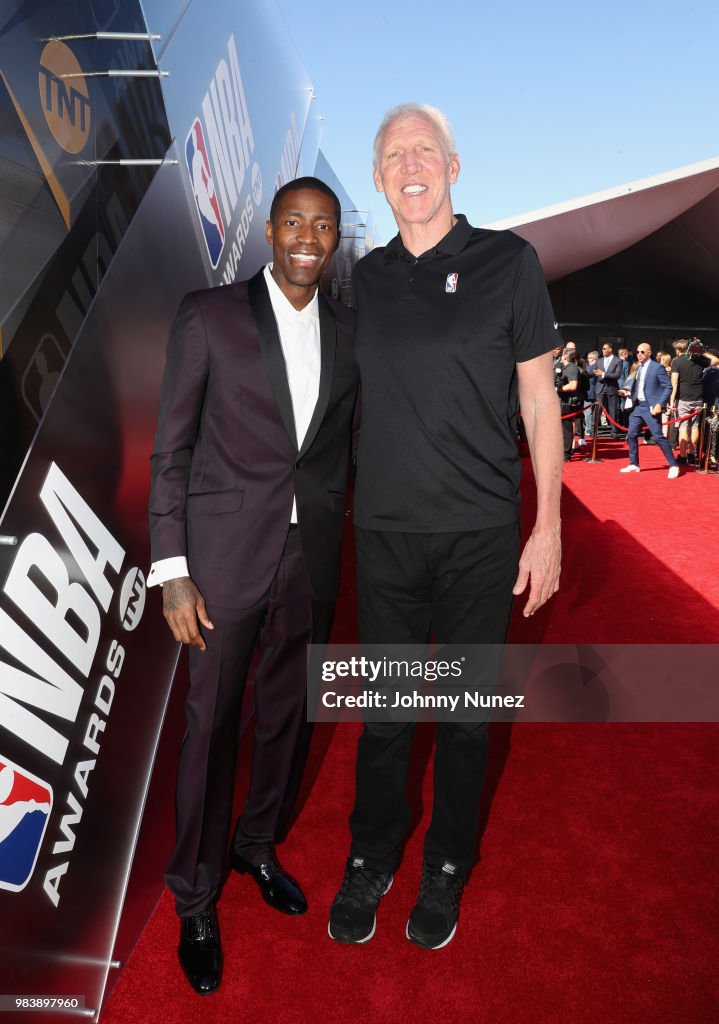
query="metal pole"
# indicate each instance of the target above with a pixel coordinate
(702, 425)
(130, 36)
(705, 446)
(597, 415)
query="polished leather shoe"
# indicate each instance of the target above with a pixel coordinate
(200, 951)
(276, 888)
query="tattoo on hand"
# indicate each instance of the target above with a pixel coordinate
(176, 593)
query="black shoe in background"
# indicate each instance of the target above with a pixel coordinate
(276, 888)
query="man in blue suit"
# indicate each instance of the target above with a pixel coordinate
(649, 392)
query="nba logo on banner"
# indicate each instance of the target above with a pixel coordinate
(450, 285)
(25, 805)
(203, 185)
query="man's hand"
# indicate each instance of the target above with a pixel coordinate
(182, 606)
(541, 563)
(657, 409)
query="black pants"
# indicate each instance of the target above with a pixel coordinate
(568, 427)
(610, 403)
(460, 586)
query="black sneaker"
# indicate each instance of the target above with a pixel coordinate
(354, 908)
(433, 920)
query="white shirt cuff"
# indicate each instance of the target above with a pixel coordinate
(167, 569)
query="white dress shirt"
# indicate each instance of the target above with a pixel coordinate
(299, 331)
(640, 382)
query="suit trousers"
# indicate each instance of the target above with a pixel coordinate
(639, 417)
(610, 403)
(459, 586)
(282, 623)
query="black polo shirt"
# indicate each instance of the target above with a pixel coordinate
(438, 340)
(691, 378)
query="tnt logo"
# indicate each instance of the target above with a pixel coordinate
(203, 185)
(64, 97)
(25, 805)
(132, 599)
(256, 184)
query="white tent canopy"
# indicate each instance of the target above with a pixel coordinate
(648, 250)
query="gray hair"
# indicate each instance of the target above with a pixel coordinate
(432, 114)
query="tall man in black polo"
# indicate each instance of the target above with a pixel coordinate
(568, 390)
(454, 325)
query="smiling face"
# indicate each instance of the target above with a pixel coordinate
(415, 173)
(304, 234)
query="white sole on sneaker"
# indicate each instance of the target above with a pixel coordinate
(352, 942)
(441, 944)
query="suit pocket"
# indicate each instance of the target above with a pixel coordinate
(337, 501)
(214, 503)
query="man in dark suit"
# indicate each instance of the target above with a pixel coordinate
(648, 394)
(608, 370)
(246, 515)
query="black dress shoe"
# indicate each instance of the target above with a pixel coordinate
(200, 951)
(277, 888)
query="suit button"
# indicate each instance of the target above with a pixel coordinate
(299, 464)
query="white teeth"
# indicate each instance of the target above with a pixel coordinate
(303, 257)
(414, 190)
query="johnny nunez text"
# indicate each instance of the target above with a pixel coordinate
(415, 699)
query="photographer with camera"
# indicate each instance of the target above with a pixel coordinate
(566, 383)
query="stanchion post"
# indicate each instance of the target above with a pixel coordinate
(595, 432)
(702, 432)
(705, 445)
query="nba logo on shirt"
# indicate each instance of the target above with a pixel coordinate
(203, 185)
(25, 805)
(450, 285)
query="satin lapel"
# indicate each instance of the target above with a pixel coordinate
(328, 343)
(272, 350)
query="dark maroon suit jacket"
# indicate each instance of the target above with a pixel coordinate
(226, 462)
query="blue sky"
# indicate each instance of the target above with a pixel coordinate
(548, 101)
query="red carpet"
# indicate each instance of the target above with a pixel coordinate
(594, 899)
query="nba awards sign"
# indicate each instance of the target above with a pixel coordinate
(37, 694)
(134, 191)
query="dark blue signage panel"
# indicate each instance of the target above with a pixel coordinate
(118, 194)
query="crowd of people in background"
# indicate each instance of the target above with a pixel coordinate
(612, 384)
